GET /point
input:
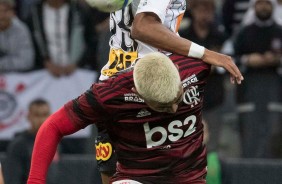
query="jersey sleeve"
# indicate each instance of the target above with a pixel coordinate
(46, 142)
(86, 109)
(154, 6)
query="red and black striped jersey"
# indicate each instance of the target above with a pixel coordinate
(149, 143)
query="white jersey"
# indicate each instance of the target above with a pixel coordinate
(124, 49)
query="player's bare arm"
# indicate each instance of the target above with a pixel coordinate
(157, 35)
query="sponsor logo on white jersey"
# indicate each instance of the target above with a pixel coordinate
(143, 113)
(132, 97)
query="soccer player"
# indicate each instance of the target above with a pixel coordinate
(152, 114)
(142, 27)
(147, 26)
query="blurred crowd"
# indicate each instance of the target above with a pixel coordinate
(59, 35)
(63, 35)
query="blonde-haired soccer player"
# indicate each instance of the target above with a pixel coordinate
(153, 115)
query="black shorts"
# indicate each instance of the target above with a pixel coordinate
(105, 153)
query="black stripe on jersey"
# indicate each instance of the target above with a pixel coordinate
(119, 86)
(179, 58)
(185, 60)
(78, 111)
(185, 65)
(189, 66)
(99, 87)
(106, 89)
(130, 15)
(92, 101)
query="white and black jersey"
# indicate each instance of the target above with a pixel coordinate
(124, 49)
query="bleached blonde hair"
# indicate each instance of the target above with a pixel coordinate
(156, 78)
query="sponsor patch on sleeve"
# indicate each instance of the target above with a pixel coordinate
(103, 151)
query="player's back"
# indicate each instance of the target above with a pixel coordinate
(149, 143)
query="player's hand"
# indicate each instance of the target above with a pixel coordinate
(217, 59)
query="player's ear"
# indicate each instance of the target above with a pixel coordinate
(134, 90)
